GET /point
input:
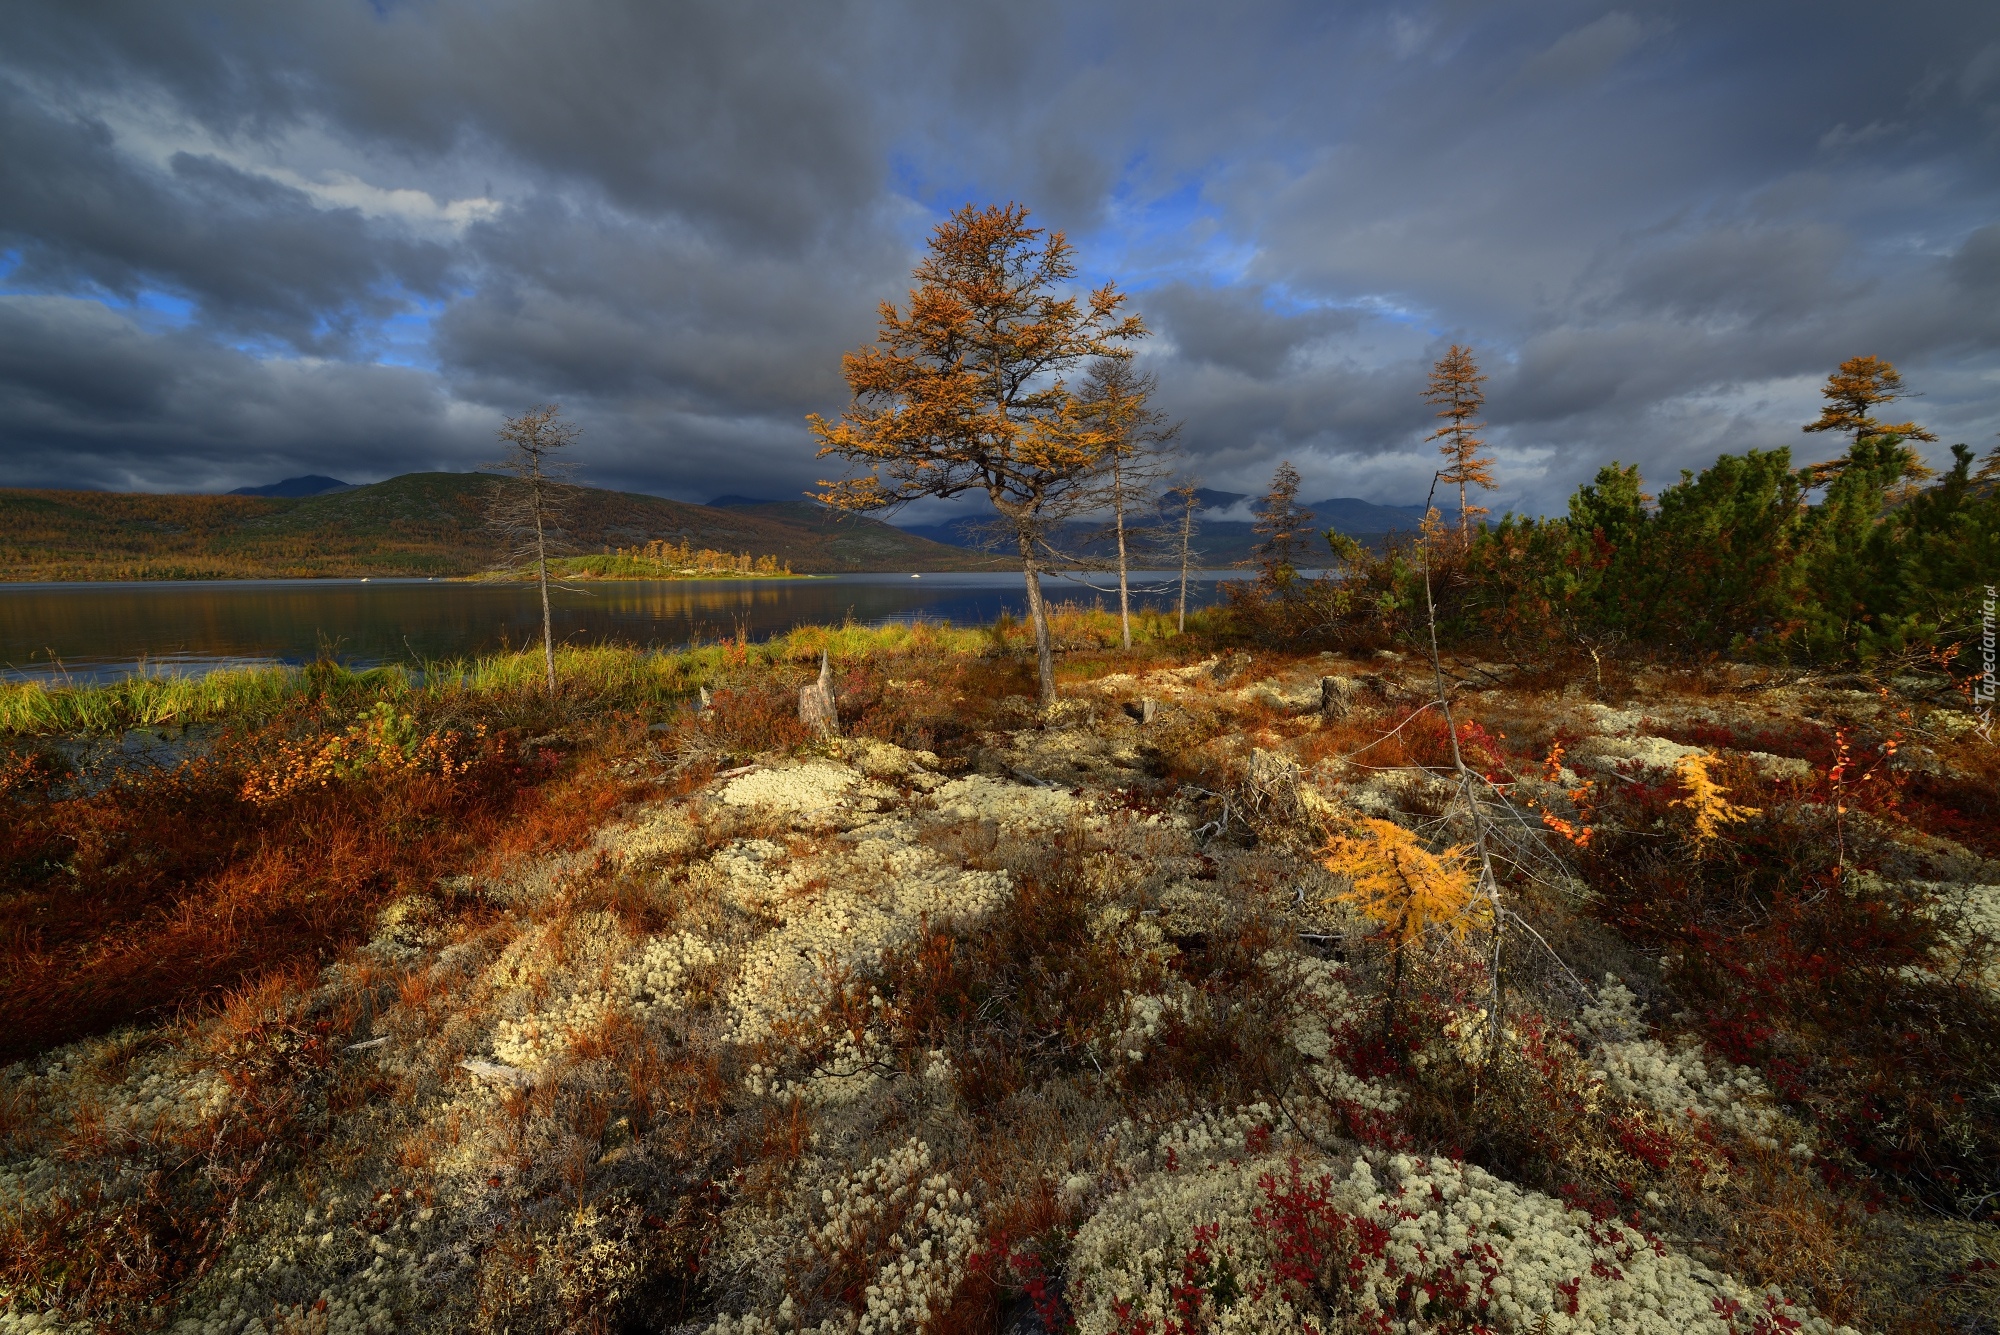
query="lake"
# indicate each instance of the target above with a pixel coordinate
(97, 632)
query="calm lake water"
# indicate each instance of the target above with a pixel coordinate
(96, 632)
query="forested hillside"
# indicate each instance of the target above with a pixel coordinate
(417, 524)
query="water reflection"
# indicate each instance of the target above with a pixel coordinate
(98, 631)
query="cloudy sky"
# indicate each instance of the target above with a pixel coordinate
(243, 241)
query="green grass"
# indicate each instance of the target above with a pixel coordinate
(607, 675)
(148, 699)
(600, 677)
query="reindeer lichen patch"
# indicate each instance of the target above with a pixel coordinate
(1086, 1037)
(660, 974)
(1682, 1081)
(903, 1230)
(874, 894)
(1012, 805)
(812, 787)
(1649, 753)
(885, 760)
(1274, 1240)
(662, 830)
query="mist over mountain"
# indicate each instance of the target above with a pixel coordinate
(311, 485)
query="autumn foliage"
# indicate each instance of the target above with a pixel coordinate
(138, 893)
(965, 390)
(1454, 388)
(1397, 882)
(1707, 801)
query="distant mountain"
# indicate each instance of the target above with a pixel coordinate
(1223, 542)
(1211, 499)
(417, 524)
(1358, 518)
(724, 502)
(1231, 541)
(964, 531)
(312, 484)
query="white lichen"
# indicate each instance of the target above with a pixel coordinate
(813, 787)
(1681, 1081)
(1528, 1257)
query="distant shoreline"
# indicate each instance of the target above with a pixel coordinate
(1053, 581)
(590, 577)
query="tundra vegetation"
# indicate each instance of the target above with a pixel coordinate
(1571, 925)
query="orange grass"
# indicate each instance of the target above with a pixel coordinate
(158, 892)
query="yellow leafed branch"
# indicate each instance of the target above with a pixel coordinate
(1404, 886)
(1707, 799)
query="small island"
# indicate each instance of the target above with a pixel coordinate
(656, 560)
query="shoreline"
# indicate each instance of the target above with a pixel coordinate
(587, 578)
(903, 572)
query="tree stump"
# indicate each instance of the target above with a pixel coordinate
(1336, 696)
(816, 709)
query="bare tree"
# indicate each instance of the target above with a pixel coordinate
(1186, 497)
(530, 507)
(1134, 461)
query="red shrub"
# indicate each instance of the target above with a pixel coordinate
(159, 890)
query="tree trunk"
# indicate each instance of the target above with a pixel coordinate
(1487, 880)
(1395, 992)
(1124, 590)
(816, 707)
(542, 577)
(1187, 532)
(1038, 613)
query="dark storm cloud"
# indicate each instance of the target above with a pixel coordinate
(744, 114)
(1976, 266)
(255, 257)
(1732, 271)
(247, 240)
(1237, 328)
(115, 407)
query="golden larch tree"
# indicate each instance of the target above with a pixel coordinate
(1707, 800)
(1406, 890)
(1852, 394)
(1281, 528)
(964, 389)
(1403, 886)
(1989, 470)
(1454, 387)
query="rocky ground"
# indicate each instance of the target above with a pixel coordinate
(1067, 1023)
